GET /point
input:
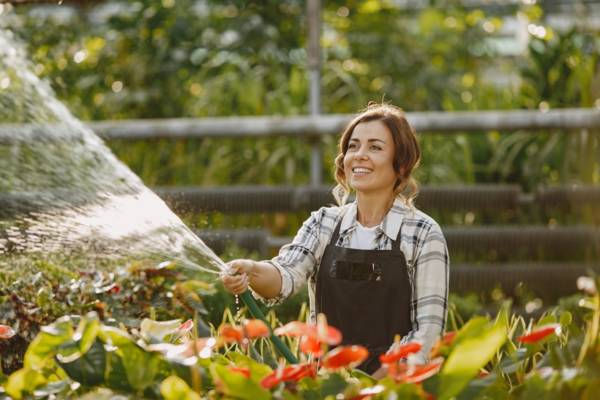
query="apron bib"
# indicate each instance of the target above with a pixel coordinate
(366, 295)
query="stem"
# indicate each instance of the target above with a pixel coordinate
(257, 313)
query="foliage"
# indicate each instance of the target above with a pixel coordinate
(202, 58)
(498, 359)
(35, 293)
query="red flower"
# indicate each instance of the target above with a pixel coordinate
(291, 373)
(345, 356)
(422, 372)
(255, 328)
(328, 334)
(230, 333)
(116, 289)
(311, 336)
(240, 370)
(6, 332)
(540, 333)
(186, 326)
(251, 329)
(400, 352)
(310, 345)
(449, 338)
(293, 329)
(416, 374)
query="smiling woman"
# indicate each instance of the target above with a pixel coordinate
(377, 267)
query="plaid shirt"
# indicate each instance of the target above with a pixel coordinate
(422, 243)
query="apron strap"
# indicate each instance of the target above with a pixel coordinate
(396, 243)
(336, 232)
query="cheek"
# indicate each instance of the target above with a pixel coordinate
(347, 164)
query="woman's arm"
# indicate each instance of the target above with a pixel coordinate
(430, 302)
(278, 278)
(263, 277)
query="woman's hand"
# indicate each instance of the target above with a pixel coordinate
(237, 277)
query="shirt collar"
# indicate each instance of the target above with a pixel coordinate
(391, 222)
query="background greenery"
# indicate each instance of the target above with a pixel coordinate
(150, 59)
(162, 59)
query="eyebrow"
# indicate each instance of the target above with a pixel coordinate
(370, 140)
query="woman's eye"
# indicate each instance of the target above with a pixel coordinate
(375, 148)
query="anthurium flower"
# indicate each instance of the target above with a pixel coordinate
(329, 335)
(255, 328)
(449, 337)
(418, 373)
(186, 326)
(400, 352)
(540, 333)
(292, 373)
(250, 329)
(6, 332)
(345, 356)
(293, 329)
(229, 333)
(422, 372)
(201, 347)
(310, 345)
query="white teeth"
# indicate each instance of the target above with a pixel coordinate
(361, 170)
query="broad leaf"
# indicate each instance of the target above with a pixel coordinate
(236, 385)
(468, 357)
(175, 388)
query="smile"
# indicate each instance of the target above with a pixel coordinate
(361, 170)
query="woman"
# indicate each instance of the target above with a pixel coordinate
(376, 267)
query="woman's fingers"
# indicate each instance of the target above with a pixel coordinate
(236, 283)
(239, 266)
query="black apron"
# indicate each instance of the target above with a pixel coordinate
(366, 295)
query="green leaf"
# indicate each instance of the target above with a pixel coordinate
(114, 373)
(566, 318)
(155, 331)
(236, 385)
(46, 344)
(468, 356)
(175, 388)
(475, 326)
(257, 370)
(112, 336)
(87, 369)
(83, 338)
(23, 382)
(513, 361)
(333, 385)
(140, 366)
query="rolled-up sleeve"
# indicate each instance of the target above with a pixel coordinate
(430, 292)
(297, 260)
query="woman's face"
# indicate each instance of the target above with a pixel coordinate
(368, 162)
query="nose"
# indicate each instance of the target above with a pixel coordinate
(361, 154)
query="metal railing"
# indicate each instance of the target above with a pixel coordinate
(312, 128)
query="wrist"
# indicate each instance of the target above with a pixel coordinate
(251, 268)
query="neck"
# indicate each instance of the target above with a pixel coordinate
(373, 207)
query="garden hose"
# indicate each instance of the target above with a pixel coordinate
(257, 313)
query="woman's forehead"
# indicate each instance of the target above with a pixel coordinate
(371, 130)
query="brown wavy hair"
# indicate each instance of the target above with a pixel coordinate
(407, 152)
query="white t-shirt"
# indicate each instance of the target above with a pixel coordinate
(363, 238)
